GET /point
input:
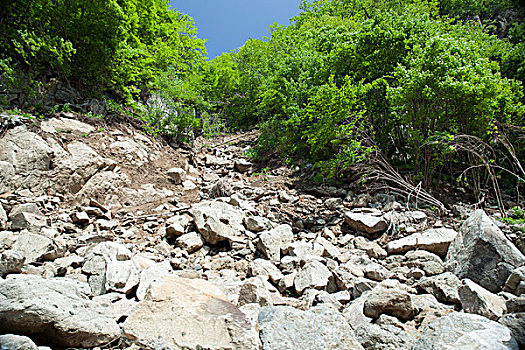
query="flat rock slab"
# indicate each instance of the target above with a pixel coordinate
(433, 240)
(370, 221)
(283, 327)
(465, 332)
(57, 310)
(189, 314)
(55, 125)
(482, 253)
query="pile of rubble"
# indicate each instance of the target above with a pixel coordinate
(110, 239)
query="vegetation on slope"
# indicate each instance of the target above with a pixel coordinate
(432, 87)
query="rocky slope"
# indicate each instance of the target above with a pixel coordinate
(110, 239)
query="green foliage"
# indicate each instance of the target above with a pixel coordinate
(349, 77)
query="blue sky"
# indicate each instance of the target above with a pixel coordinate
(227, 24)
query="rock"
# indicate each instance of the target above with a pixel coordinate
(11, 262)
(218, 221)
(79, 164)
(257, 223)
(16, 342)
(176, 226)
(3, 218)
(482, 253)
(177, 175)
(430, 263)
(54, 125)
(194, 314)
(150, 274)
(432, 240)
(368, 221)
(80, 218)
(321, 327)
(253, 290)
(191, 242)
(371, 248)
(57, 309)
(465, 331)
(272, 242)
(376, 272)
(265, 269)
(7, 176)
(97, 262)
(444, 287)
(242, 165)
(28, 221)
(26, 151)
(516, 304)
(477, 300)
(333, 203)
(516, 323)
(313, 275)
(516, 282)
(389, 301)
(386, 334)
(353, 313)
(34, 247)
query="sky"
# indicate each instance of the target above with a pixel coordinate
(227, 24)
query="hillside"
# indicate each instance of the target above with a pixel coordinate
(113, 239)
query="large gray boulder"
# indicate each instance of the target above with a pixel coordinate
(482, 253)
(321, 327)
(57, 310)
(313, 275)
(445, 287)
(466, 332)
(189, 314)
(218, 221)
(34, 247)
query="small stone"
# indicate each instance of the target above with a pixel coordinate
(80, 218)
(11, 262)
(313, 275)
(257, 223)
(191, 242)
(177, 175)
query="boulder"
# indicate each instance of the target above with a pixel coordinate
(313, 275)
(177, 175)
(368, 221)
(516, 323)
(386, 334)
(253, 290)
(57, 310)
(191, 242)
(54, 125)
(242, 165)
(195, 315)
(321, 327)
(28, 221)
(16, 342)
(482, 253)
(34, 247)
(11, 261)
(466, 332)
(150, 274)
(218, 221)
(477, 300)
(444, 287)
(435, 240)
(516, 282)
(429, 262)
(26, 151)
(389, 301)
(272, 242)
(257, 223)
